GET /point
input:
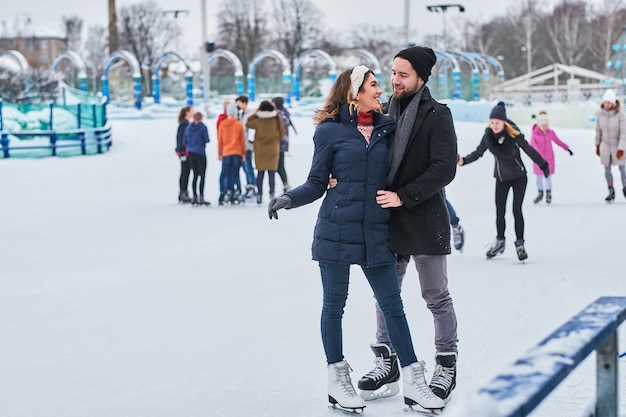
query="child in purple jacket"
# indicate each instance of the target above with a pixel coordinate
(542, 140)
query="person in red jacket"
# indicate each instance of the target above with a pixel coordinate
(231, 150)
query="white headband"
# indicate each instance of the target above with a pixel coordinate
(356, 78)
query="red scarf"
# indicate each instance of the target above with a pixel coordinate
(365, 118)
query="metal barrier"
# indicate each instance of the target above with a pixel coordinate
(522, 387)
(99, 137)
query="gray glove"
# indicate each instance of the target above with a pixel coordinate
(277, 203)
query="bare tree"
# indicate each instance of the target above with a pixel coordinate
(568, 32)
(242, 28)
(297, 26)
(147, 33)
(96, 53)
(73, 29)
(607, 25)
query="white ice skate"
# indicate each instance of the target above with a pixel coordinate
(416, 391)
(341, 392)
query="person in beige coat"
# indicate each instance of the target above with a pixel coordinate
(611, 139)
(269, 129)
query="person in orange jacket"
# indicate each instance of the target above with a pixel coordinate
(231, 150)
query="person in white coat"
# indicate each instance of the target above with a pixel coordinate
(611, 140)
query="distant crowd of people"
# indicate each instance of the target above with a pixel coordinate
(243, 135)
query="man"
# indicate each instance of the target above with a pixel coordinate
(243, 114)
(423, 160)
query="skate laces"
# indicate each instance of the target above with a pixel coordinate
(343, 379)
(381, 368)
(442, 377)
(419, 382)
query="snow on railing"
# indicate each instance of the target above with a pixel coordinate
(525, 384)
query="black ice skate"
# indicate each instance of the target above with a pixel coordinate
(444, 376)
(609, 198)
(539, 197)
(458, 237)
(496, 248)
(382, 381)
(521, 250)
(548, 196)
(183, 197)
(198, 200)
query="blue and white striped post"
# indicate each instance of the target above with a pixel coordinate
(189, 88)
(137, 91)
(156, 89)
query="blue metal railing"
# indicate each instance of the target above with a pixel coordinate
(523, 386)
(100, 138)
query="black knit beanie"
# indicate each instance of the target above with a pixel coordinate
(498, 112)
(422, 59)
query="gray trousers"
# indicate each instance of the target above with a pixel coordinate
(433, 276)
(608, 174)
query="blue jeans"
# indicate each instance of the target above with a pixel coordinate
(384, 283)
(248, 169)
(230, 172)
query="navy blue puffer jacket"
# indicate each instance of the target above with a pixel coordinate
(351, 228)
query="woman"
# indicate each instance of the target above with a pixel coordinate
(269, 128)
(352, 145)
(504, 142)
(184, 116)
(195, 139)
(541, 140)
(611, 140)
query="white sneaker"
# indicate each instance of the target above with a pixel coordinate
(341, 392)
(416, 390)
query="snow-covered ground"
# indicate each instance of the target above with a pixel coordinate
(115, 301)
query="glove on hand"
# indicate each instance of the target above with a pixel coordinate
(598, 150)
(546, 171)
(277, 203)
(620, 153)
(570, 152)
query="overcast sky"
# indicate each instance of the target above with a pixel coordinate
(338, 14)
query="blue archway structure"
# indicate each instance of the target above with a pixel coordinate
(449, 60)
(134, 64)
(226, 54)
(271, 53)
(332, 68)
(78, 63)
(156, 80)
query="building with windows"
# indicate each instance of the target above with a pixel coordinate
(38, 50)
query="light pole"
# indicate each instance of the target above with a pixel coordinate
(204, 56)
(436, 8)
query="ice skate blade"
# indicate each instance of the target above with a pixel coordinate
(387, 390)
(416, 408)
(357, 411)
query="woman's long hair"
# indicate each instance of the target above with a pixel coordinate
(183, 112)
(340, 93)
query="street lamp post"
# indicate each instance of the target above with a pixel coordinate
(436, 8)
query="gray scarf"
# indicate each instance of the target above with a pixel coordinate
(404, 125)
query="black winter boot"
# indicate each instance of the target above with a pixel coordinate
(611, 195)
(548, 196)
(539, 197)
